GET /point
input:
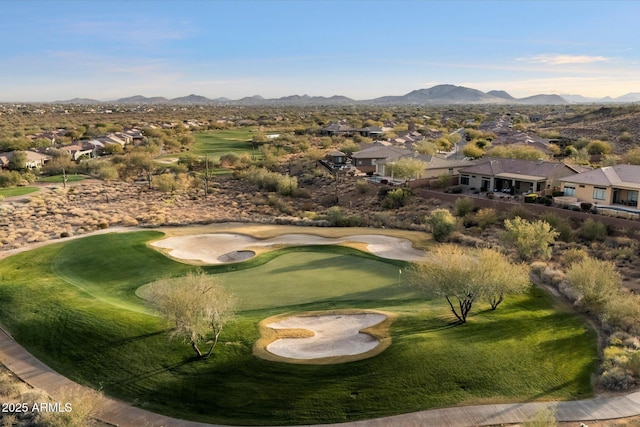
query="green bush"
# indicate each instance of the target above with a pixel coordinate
(561, 225)
(396, 198)
(442, 223)
(593, 230)
(464, 205)
(530, 238)
(486, 218)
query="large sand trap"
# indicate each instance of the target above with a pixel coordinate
(222, 248)
(334, 335)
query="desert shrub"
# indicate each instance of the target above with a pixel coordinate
(486, 218)
(572, 256)
(621, 312)
(470, 221)
(530, 238)
(336, 217)
(595, 281)
(463, 206)
(617, 379)
(561, 225)
(544, 417)
(363, 186)
(277, 203)
(518, 211)
(555, 278)
(85, 403)
(593, 230)
(396, 198)
(287, 185)
(442, 182)
(10, 178)
(441, 223)
(166, 183)
(470, 241)
(598, 147)
(633, 363)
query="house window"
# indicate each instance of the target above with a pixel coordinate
(373, 162)
(464, 179)
(569, 190)
(633, 196)
(359, 162)
(598, 193)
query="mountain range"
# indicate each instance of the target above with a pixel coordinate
(436, 95)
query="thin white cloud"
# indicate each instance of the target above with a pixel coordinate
(559, 59)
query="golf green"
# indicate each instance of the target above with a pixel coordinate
(74, 305)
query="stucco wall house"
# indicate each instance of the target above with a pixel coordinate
(610, 185)
(366, 160)
(516, 175)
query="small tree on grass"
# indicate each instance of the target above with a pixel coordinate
(462, 277)
(442, 224)
(196, 305)
(530, 239)
(500, 277)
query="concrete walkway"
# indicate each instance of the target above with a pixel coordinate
(118, 413)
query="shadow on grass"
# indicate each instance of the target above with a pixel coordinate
(153, 372)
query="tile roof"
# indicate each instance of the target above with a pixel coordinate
(380, 152)
(618, 175)
(529, 168)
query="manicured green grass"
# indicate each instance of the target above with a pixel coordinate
(17, 191)
(58, 178)
(220, 142)
(73, 305)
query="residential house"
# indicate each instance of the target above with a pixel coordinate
(434, 166)
(516, 176)
(408, 138)
(113, 138)
(34, 160)
(135, 135)
(335, 129)
(366, 160)
(79, 150)
(610, 185)
(343, 129)
(374, 132)
(337, 157)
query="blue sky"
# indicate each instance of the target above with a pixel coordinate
(55, 50)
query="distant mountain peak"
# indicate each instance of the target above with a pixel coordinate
(442, 94)
(500, 94)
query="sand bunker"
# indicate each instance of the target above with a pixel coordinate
(221, 248)
(334, 335)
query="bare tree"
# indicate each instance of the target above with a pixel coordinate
(196, 305)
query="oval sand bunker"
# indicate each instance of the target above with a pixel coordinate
(334, 335)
